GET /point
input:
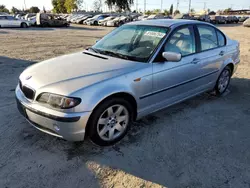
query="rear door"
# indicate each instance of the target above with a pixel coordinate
(13, 22)
(212, 53)
(3, 21)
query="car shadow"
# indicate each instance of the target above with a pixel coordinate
(229, 25)
(34, 29)
(201, 142)
(83, 27)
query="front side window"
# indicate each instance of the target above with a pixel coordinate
(182, 41)
(134, 42)
(208, 37)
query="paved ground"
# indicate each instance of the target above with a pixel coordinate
(203, 142)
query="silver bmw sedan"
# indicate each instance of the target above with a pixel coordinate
(135, 70)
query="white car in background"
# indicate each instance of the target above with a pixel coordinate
(10, 21)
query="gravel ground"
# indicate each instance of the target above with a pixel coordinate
(203, 142)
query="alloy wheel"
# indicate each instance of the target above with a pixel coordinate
(223, 81)
(113, 122)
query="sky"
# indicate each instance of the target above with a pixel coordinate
(151, 4)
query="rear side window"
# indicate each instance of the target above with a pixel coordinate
(221, 39)
(208, 37)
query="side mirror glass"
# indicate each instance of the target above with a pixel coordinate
(171, 56)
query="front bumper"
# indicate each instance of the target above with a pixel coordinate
(69, 126)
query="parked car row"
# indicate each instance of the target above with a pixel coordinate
(101, 19)
(10, 21)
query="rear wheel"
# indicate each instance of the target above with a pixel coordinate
(110, 122)
(24, 25)
(223, 81)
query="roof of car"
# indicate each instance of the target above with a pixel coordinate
(165, 22)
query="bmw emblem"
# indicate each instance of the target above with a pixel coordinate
(28, 77)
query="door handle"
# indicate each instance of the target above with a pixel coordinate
(221, 53)
(195, 61)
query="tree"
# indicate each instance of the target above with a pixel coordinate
(34, 10)
(192, 10)
(120, 4)
(14, 10)
(70, 5)
(4, 9)
(176, 12)
(97, 5)
(156, 11)
(148, 12)
(166, 12)
(171, 9)
(58, 6)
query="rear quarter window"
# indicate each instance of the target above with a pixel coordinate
(221, 39)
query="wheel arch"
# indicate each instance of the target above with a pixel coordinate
(231, 66)
(123, 95)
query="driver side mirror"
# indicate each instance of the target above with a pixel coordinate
(171, 56)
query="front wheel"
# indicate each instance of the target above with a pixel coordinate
(223, 81)
(24, 25)
(110, 122)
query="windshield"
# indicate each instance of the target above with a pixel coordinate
(132, 42)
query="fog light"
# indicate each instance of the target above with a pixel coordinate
(56, 128)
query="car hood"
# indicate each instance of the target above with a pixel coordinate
(69, 73)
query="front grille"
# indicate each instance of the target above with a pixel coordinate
(28, 92)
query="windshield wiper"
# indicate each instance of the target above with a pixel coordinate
(113, 54)
(93, 49)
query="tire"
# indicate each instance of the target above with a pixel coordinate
(221, 87)
(24, 25)
(95, 23)
(45, 24)
(102, 124)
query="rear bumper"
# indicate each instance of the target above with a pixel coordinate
(69, 126)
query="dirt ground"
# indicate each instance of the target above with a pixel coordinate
(203, 142)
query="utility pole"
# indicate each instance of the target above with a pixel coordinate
(145, 6)
(24, 4)
(177, 6)
(161, 5)
(205, 5)
(189, 6)
(136, 5)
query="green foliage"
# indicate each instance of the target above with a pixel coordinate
(120, 4)
(227, 10)
(156, 11)
(148, 12)
(97, 5)
(4, 9)
(34, 10)
(192, 10)
(58, 6)
(14, 10)
(176, 12)
(66, 6)
(166, 12)
(171, 9)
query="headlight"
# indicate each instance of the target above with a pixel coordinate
(58, 101)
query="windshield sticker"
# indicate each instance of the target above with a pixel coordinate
(155, 34)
